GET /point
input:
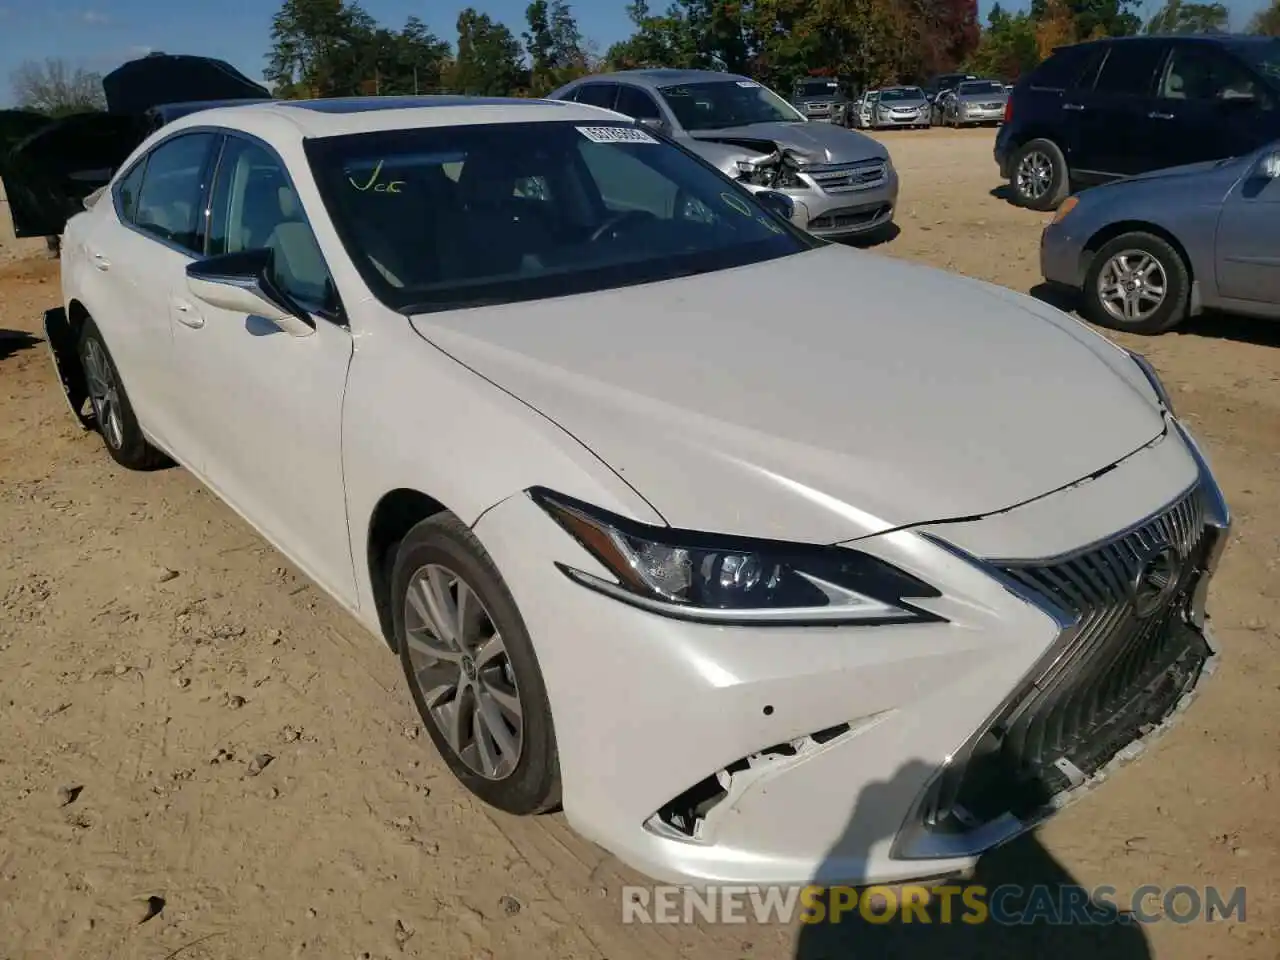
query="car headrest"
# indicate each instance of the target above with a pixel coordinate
(290, 209)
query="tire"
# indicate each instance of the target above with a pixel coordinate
(1163, 263)
(112, 412)
(520, 780)
(1043, 191)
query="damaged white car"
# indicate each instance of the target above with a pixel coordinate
(761, 594)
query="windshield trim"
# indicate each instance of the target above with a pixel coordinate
(490, 291)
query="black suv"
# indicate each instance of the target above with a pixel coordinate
(1112, 108)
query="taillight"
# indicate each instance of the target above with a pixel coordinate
(1008, 110)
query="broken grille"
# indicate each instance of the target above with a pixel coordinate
(1112, 677)
(847, 178)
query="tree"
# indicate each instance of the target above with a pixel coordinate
(1178, 17)
(1008, 47)
(1090, 18)
(557, 51)
(1267, 22)
(320, 48)
(488, 58)
(57, 89)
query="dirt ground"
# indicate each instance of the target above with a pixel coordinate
(155, 654)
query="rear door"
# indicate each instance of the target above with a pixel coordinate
(1248, 243)
(1111, 115)
(137, 255)
(1209, 106)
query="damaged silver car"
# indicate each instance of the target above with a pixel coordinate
(841, 182)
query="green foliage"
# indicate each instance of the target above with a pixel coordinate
(1008, 48)
(1178, 17)
(557, 52)
(1267, 22)
(488, 61)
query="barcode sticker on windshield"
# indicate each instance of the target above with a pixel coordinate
(616, 135)
(747, 83)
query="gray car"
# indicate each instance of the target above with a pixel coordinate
(820, 98)
(843, 183)
(901, 107)
(973, 102)
(1147, 251)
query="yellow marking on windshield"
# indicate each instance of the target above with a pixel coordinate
(392, 187)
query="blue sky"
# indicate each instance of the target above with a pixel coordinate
(101, 34)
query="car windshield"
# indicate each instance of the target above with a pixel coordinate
(1263, 56)
(448, 217)
(980, 87)
(817, 88)
(717, 104)
(900, 94)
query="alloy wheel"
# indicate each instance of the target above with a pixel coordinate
(1034, 175)
(461, 668)
(1132, 286)
(104, 394)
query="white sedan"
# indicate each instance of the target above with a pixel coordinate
(762, 582)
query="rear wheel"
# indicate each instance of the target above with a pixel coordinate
(112, 412)
(1039, 179)
(1138, 283)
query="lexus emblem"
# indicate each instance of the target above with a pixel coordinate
(1156, 580)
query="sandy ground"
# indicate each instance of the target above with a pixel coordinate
(155, 653)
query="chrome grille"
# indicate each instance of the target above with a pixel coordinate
(846, 178)
(1116, 673)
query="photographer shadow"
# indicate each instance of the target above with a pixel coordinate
(1041, 933)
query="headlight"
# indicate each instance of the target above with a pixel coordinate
(1154, 379)
(716, 579)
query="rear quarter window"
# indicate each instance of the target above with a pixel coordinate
(1065, 67)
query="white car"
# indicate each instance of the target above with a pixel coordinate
(762, 583)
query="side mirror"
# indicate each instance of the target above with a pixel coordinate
(241, 282)
(653, 123)
(778, 203)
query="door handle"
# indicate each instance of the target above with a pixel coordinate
(187, 315)
(1157, 115)
(1073, 106)
(100, 261)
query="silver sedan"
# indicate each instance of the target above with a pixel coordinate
(1148, 251)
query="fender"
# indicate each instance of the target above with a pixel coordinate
(61, 339)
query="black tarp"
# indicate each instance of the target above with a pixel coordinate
(162, 78)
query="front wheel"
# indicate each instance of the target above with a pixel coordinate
(1039, 179)
(471, 668)
(1137, 283)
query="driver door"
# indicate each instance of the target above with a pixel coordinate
(266, 405)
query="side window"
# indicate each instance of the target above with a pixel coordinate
(1199, 73)
(637, 104)
(626, 183)
(598, 94)
(127, 191)
(1065, 66)
(173, 185)
(1130, 69)
(254, 207)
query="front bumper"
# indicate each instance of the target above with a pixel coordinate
(973, 115)
(702, 754)
(913, 120)
(847, 213)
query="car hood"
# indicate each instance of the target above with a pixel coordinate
(903, 104)
(733, 406)
(820, 142)
(1231, 167)
(161, 78)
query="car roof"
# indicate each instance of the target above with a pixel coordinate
(346, 115)
(660, 77)
(1233, 39)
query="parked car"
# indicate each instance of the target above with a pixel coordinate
(938, 87)
(973, 102)
(54, 165)
(524, 387)
(901, 107)
(1148, 251)
(845, 184)
(866, 109)
(821, 98)
(1097, 111)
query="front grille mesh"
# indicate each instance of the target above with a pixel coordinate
(847, 178)
(1117, 674)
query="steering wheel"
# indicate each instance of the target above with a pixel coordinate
(615, 221)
